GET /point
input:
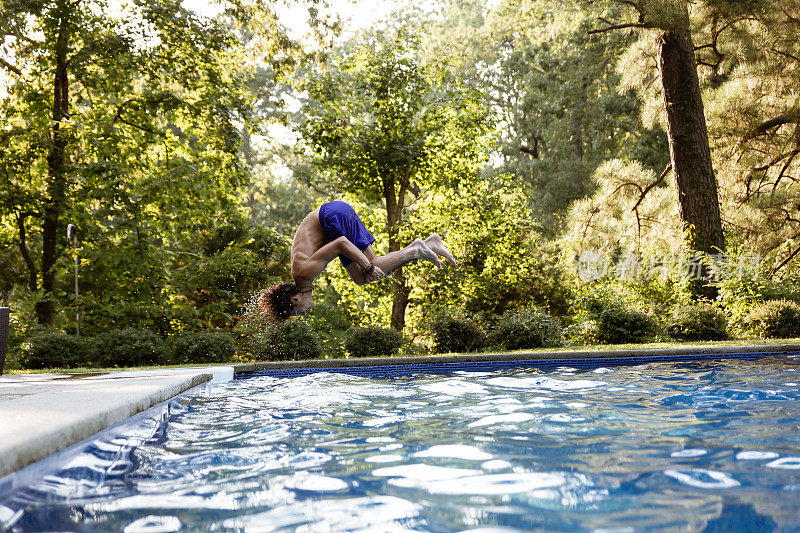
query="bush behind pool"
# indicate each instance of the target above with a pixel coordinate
(526, 328)
(373, 342)
(131, 347)
(287, 341)
(57, 350)
(698, 323)
(203, 347)
(456, 334)
(777, 319)
(617, 324)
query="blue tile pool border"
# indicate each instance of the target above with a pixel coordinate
(487, 365)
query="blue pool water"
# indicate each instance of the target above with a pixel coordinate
(690, 447)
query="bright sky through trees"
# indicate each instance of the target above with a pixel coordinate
(355, 14)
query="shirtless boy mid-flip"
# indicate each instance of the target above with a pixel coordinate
(334, 229)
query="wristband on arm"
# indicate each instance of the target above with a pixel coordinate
(367, 271)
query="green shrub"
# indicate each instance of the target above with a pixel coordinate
(373, 342)
(203, 347)
(131, 347)
(287, 341)
(698, 323)
(223, 236)
(56, 350)
(614, 317)
(616, 324)
(581, 332)
(455, 334)
(774, 319)
(524, 329)
(331, 326)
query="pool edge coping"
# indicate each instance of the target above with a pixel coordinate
(87, 429)
(578, 355)
(36, 471)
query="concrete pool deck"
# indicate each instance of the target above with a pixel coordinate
(42, 414)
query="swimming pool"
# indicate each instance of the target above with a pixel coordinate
(696, 446)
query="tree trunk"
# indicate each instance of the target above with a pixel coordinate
(33, 274)
(247, 151)
(400, 303)
(56, 171)
(689, 150)
(577, 136)
(575, 124)
(394, 212)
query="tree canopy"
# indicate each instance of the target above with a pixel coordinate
(532, 134)
(384, 127)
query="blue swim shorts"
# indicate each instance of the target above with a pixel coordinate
(340, 219)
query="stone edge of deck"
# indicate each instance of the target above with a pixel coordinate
(34, 446)
(523, 356)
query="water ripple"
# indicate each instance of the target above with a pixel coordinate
(654, 447)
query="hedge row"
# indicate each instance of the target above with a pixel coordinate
(514, 330)
(124, 348)
(296, 339)
(608, 322)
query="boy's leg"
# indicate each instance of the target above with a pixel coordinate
(394, 260)
(435, 243)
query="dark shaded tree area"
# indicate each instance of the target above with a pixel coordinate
(127, 126)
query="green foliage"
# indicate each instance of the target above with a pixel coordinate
(553, 87)
(453, 332)
(131, 347)
(56, 350)
(378, 113)
(242, 260)
(613, 217)
(331, 325)
(282, 204)
(203, 347)
(774, 319)
(618, 325)
(615, 322)
(698, 323)
(373, 342)
(287, 341)
(524, 329)
(745, 64)
(151, 159)
(144, 147)
(222, 236)
(504, 263)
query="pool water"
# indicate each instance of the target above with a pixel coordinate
(693, 447)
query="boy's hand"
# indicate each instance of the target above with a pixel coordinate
(376, 275)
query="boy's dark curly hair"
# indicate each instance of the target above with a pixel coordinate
(275, 302)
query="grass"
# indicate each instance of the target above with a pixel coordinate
(658, 345)
(561, 351)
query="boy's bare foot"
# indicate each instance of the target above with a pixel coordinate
(427, 253)
(435, 243)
